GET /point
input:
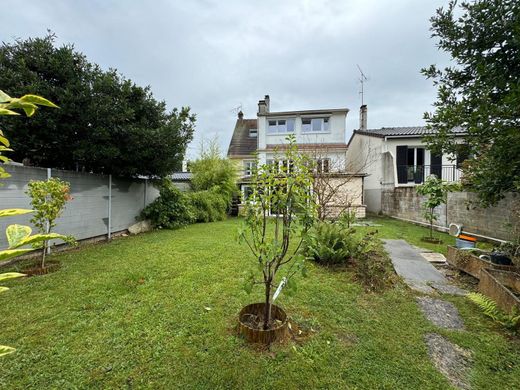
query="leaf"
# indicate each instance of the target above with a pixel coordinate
(34, 99)
(4, 97)
(4, 140)
(17, 234)
(5, 350)
(13, 212)
(11, 275)
(5, 111)
(2, 289)
(40, 238)
(10, 253)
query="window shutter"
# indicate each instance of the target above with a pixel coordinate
(401, 163)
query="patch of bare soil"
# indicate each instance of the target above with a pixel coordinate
(457, 277)
(256, 321)
(441, 313)
(450, 359)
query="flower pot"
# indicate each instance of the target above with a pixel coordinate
(38, 270)
(472, 264)
(251, 315)
(501, 286)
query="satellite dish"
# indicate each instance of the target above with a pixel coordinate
(455, 229)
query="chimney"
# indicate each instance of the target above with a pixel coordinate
(263, 106)
(240, 115)
(267, 102)
(363, 117)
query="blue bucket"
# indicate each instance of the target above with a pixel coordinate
(464, 243)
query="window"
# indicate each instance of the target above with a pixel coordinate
(410, 164)
(253, 133)
(247, 192)
(323, 165)
(276, 126)
(249, 166)
(310, 125)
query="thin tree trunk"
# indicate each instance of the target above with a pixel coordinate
(267, 308)
(44, 253)
(431, 224)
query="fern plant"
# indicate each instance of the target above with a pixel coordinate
(490, 309)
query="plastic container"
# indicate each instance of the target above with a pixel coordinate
(460, 243)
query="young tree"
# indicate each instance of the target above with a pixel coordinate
(284, 192)
(48, 199)
(436, 192)
(480, 92)
(106, 123)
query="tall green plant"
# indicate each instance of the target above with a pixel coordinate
(436, 192)
(284, 192)
(48, 199)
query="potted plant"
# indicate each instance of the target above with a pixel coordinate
(278, 213)
(436, 191)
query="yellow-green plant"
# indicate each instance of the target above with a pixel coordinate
(48, 199)
(18, 236)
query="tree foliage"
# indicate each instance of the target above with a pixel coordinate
(436, 192)
(213, 172)
(480, 92)
(106, 123)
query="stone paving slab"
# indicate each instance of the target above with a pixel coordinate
(417, 272)
(450, 359)
(441, 313)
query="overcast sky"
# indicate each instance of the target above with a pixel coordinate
(216, 55)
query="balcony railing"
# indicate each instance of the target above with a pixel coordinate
(408, 174)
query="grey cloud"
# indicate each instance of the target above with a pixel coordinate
(215, 55)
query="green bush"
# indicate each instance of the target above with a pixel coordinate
(208, 206)
(171, 210)
(330, 243)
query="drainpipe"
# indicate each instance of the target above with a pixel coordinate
(109, 235)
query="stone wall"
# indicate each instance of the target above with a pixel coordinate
(496, 222)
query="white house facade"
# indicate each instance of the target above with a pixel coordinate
(399, 157)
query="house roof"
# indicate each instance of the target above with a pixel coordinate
(241, 144)
(412, 131)
(181, 176)
(305, 112)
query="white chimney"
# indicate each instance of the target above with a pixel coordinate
(363, 117)
(263, 106)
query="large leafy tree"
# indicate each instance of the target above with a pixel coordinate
(105, 124)
(480, 92)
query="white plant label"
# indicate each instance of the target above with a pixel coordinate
(279, 289)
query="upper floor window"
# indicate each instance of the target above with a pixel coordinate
(253, 133)
(310, 125)
(276, 126)
(249, 166)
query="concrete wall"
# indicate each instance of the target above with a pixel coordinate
(86, 215)
(403, 202)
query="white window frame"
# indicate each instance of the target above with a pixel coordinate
(280, 129)
(249, 166)
(253, 131)
(324, 126)
(321, 163)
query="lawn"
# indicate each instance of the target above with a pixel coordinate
(159, 310)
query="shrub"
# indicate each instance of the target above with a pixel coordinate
(208, 206)
(212, 172)
(330, 243)
(171, 210)
(490, 309)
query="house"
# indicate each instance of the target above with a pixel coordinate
(395, 157)
(319, 133)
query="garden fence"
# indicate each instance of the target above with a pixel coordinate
(101, 204)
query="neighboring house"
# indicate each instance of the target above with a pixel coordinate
(398, 157)
(319, 133)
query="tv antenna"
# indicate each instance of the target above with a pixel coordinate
(362, 80)
(237, 109)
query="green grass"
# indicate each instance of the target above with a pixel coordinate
(131, 314)
(397, 229)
